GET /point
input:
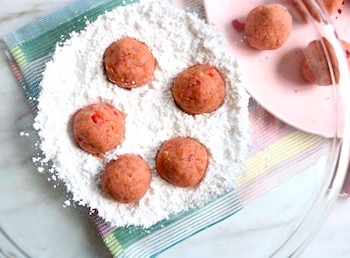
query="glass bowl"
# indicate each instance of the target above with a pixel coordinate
(296, 169)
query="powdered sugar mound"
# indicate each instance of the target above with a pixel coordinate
(75, 78)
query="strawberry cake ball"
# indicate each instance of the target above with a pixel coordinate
(199, 89)
(268, 26)
(129, 63)
(332, 6)
(98, 128)
(126, 179)
(314, 64)
(182, 161)
(346, 46)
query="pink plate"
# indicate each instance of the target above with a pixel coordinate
(273, 78)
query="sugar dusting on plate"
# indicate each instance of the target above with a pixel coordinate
(75, 78)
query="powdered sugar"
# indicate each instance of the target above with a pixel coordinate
(75, 78)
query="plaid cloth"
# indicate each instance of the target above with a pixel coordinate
(280, 150)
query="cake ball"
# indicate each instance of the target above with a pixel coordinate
(346, 46)
(126, 179)
(199, 89)
(304, 9)
(182, 161)
(314, 64)
(268, 26)
(332, 6)
(98, 128)
(129, 63)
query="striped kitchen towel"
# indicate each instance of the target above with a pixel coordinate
(280, 151)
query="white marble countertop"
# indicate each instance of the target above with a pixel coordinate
(333, 239)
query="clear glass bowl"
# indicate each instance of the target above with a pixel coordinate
(281, 210)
